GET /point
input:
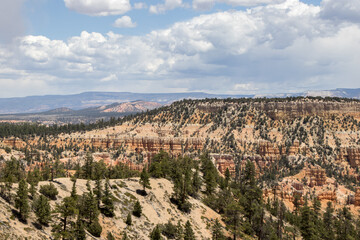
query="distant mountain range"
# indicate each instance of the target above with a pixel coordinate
(35, 104)
(66, 115)
(88, 101)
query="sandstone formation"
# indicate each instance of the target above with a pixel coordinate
(14, 143)
(223, 162)
(357, 197)
(350, 154)
(316, 176)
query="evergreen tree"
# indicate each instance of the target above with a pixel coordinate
(251, 195)
(227, 177)
(188, 233)
(233, 217)
(66, 210)
(144, 179)
(196, 182)
(128, 220)
(137, 209)
(328, 233)
(73, 190)
(88, 166)
(42, 210)
(209, 174)
(109, 236)
(98, 192)
(21, 201)
(307, 227)
(95, 228)
(88, 206)
(217, 233)
(156, 233)
(79, 230)
(108, 202)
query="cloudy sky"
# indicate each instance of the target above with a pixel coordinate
(215, 46)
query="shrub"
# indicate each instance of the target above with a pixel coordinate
(49, 191)
(95, 229)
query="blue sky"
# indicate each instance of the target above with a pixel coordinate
(216, 46)
(54, 20)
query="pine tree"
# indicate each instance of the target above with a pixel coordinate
(209, 174)
(156, 233)
(137, 209)
(95, 228)
(108, 202)
(109, 236)
(66, 210)
(88, 166)
(307, 227)
(73, 190)
(233, 217)
(227, 177)
(21, 201)
(328, 233)
(79, 230)
(196, 182)
(188, 233)
(89, 207)
(217, 233)
(145, 180)
(98, 192)
(42, 210)
(128, 220)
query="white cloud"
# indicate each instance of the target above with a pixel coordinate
(208, 4)
(140, 5)
(167, 5)
(111, 77)
(99, 7)
(271, 48)
(124, 22)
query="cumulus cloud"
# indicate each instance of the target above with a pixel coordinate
(271, 48)
(124, 22)
(11, 20)
(99, 7)
(140, 5)
(341, 10)
(208, 4)
(167, 5)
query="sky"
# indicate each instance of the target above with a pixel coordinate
(214, 46)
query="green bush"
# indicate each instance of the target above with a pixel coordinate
(95, 229)
(49, 191)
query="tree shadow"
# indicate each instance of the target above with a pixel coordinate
(37, 225)
(141, 192)
(17, 215)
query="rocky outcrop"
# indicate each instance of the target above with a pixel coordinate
(223, 162)
(329, 196)
(293, 109)
(357, 197)
(140, 144)
(269, 151)
(316, 176)
(14, 143)
(350, 154)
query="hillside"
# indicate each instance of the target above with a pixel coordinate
(157, 209)
(301, 151)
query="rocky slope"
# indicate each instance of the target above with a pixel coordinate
(157, 209)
